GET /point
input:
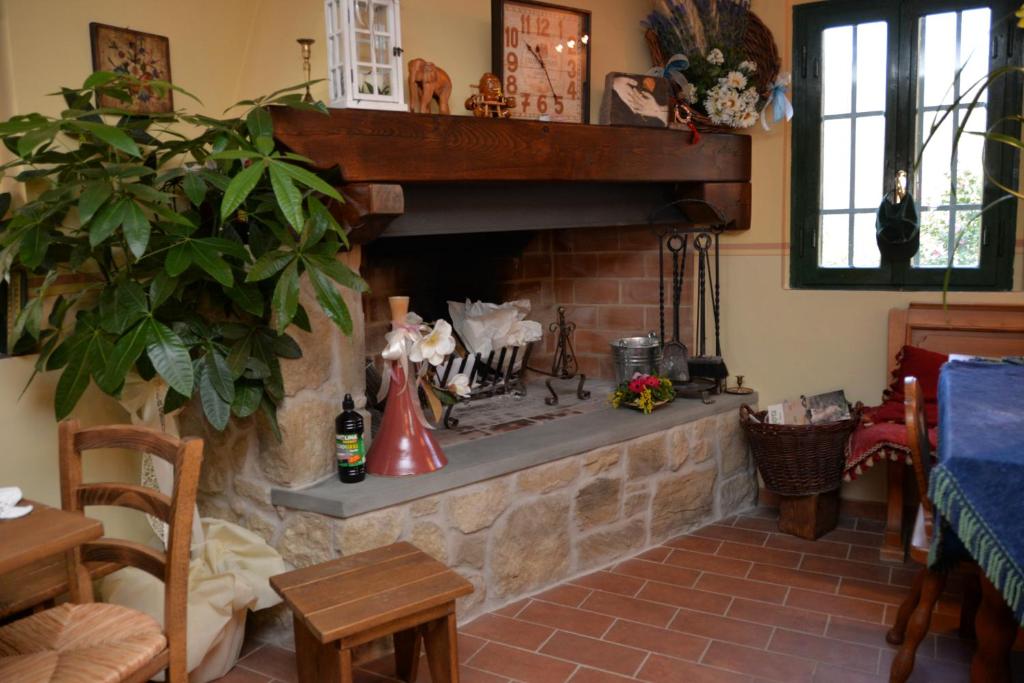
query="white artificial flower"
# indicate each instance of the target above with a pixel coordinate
(459, 385)
(736, 80)
(750, 96)
(398, 343)
(715, 57)
(729, 102)
(435, 346)
(689, 93)
(748, 66)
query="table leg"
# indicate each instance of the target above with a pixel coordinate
(441, 640)
(892, 543)
(996, 627)
(79, 579)
(318, 662)
(407, 653)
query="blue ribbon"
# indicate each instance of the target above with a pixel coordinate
(673, 69)
(778, 101)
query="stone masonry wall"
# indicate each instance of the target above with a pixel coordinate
(518, 534)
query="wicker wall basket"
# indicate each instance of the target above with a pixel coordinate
(799, 460)
(759, 47)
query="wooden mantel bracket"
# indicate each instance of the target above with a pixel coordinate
(368, 209)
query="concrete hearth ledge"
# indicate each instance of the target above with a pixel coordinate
(494, 456)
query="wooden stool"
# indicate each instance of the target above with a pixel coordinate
(809, 516)
(396, 590)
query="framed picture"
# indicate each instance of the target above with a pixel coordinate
(636, 100)
(143, 55)
(541, 52)
(13, 297)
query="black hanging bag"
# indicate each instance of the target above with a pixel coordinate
(898, 224)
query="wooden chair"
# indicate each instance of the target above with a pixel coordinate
(84, 640)
(915, 614)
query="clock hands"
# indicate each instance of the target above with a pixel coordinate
(536, 54)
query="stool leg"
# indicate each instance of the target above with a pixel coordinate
(407, 654)
(441, 640)
(317, 662)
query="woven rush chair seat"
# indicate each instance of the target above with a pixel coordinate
(94, 642)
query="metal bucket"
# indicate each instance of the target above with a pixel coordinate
(636, 354)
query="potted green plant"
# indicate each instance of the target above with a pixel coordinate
(192, 233)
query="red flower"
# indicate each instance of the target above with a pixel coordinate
(637, 385)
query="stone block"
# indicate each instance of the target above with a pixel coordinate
(636, 503)
(479, 507)
(468, 605)
(601, 547)
(549, 477)
(646, 455)
(678, 448)
(681, 501)
(256, 491)
(319, 347)
(530, 547)
(425, 506)
(430, 538)
(732, 445)
(600, 461)
(305, 540)
(369, 531)
(737, 494)
(306, 452)
(598, 502)
(700, 435)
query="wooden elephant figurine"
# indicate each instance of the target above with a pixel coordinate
(427, 82)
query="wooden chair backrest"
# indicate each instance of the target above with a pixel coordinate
(917, 438)
(172, 566)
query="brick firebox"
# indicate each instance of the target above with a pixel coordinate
(607, 279)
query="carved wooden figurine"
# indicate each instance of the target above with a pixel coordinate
(490, 102)
(427, 82)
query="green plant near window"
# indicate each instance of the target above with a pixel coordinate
(193, 233)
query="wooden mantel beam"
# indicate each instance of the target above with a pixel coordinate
(399, 147)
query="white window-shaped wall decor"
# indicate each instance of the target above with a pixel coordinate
(364, 54)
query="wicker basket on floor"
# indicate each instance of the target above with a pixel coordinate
(799, 460)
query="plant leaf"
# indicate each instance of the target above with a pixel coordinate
(216, 409)
(121, 306)
(194, 187)
(92, 198)
(34, 245)
(239, 188)
(331, 301)
(247, 399)
(307, 178)
(107, 221)
(288, 196)
(72, 384)
(219, 375)
(170, 358)
(115, 137)
(286, 296)
(269, 264)
(179, 258)
(261, 129)
(208, 258)
(127, 350)
(247, 297)
(161, 287)
(337, 271)
(136, 229)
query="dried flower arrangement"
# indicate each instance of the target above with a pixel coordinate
(644, 393)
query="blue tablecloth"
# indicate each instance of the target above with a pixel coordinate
(978, 484)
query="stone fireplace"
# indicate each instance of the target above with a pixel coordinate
(526, 507)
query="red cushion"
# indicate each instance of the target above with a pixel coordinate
(913, 361)
(893, 411)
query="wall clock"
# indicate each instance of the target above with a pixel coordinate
(541, 52)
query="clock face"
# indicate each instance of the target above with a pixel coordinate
(544, 53)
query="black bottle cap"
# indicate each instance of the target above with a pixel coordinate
(348, 403)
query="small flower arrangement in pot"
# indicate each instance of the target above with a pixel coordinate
(643, 393)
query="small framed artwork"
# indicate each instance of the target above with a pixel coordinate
(143, 55)
(541, 53)
(636, 100)
(13, 297)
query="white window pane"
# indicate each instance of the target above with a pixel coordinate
(934, 173)
(365, 82)
(362, 14)
(974, 48)
(835, 164)
(970, 171)
(871, 60)
(363, 53)
(865, 246)
(835, 241)
(869, 166)
(381, 19)
(937, 61)
(382, 50)
(383, 81)
(837, 69)
(967, 246)
(934, 251)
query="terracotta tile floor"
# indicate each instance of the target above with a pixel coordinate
(732, 602)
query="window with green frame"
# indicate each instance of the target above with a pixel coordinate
(871, 79)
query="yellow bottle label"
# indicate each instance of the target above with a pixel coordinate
(350, 450)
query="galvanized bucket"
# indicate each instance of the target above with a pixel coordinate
(636, 354)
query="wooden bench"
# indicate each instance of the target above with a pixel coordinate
(396, 590)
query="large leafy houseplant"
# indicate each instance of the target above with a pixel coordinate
(192, 233)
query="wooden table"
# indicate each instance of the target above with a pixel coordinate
(395, 590)
(43, 533)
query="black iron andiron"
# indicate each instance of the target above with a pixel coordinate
(564, 365)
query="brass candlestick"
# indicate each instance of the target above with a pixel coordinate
(306, 44)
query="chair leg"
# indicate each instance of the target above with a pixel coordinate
(441, 640)
(969, 606)
(407, 654)
(997, 629)
(917, 628)
(899, 628)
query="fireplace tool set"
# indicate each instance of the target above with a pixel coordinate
(704, 374)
